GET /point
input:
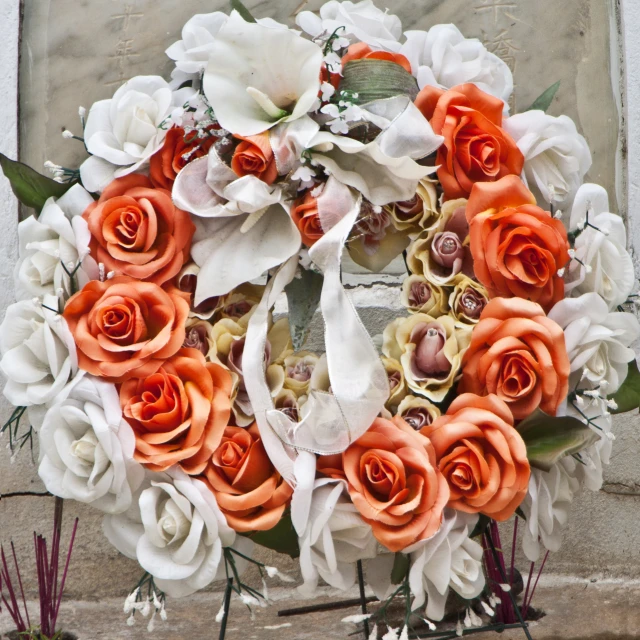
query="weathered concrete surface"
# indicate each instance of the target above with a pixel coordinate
(576, 610)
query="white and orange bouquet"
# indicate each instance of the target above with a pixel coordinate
(145, 353)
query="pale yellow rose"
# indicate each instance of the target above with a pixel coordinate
(467, 300)
(199, 335)
(418, 214)
(298, 369)
(239, 304)
(417, 412)
(397, 382)
(419, 295)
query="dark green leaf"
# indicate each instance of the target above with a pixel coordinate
(282, 538)
(481, 525)
(627, 397)
(544, 100)
(245, 14)
(549, 438)
(400, 568)
(303, 297)
(376, 80)
(30, 187)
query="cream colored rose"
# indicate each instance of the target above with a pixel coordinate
(417, 412)
(430, 351)
(397, 382)
(421, 296)
(239, 303)
(298, 369)
(199, 335)
(467, 300)
(418, 214)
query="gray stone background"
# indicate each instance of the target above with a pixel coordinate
(74, 52)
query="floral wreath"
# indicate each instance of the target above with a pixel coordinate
(144, 352)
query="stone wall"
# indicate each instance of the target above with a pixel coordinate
(74, 52)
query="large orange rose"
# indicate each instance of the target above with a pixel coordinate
(519, 354)
(394, 482)
(481, 455)
(137, 231)
(179, 148)
(304, 214)
(475, 147)
(254, 156)
(362, 51)
(124, 328)
(517, 247)
(178, 413)
(249, 491)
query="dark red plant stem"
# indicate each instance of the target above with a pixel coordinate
(513, 550)
(526, 593)
(507, 609)
(24, 600)
(494, 576)
(526, 604)
(17, 617)
(66, 570)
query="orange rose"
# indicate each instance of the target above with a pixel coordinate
(520, 355)
(304, 214)
(481, 455)
(249, 491)
(254, 157)
(137, 231)
(475, 147)
(394, 482)
(124, 328)
(178, 413)
(362, 51)
(179, 148)
(517, 247)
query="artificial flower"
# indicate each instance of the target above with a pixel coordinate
(421, 212)
(442, 57)
(38, 353)
(467, 301)
(362, 51)
(258, 76)
(176, 532)
(556, 156)
(124, 328)
(178, 413)
(335, 538)
(417, 412)
(250, 492)
(298, 369)
(86, 448)
(239, 303)
(598, 341)
(198, 335)
(289, 403)
(601, 262)
(449, 560)
(443, 254)
(430, 350)
(137, 231)
(481, 455)
(421, 296)
(357, 21)
(55, 245)
(187, 282)
(397, 383)
(304, 212)
(476, 148)
(519, 354)
(254, 157)
(518, 249)
(123, 132)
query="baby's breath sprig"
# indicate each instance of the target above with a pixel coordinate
(146, 599)
(17, 440)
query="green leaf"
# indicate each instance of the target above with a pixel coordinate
(544, 100)
(30, 187)
(376, 80)
(282, 538)
(303, 297)
(481, 525)
(627, 397)
(550, 438)
(400, 568)
(245, 14)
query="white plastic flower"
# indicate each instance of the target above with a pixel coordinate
(123, 132)
(176, 532)
(598, 341)
(86, 448)
(444, 58)
(602, 263)
(38, 352)
(556, 156)
(357, 21)
(52, 245)
(448, 560)
(258, 76)
(546, 509)
(335, 538)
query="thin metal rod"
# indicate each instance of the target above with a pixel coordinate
(363, 598)
(227, 604)
(327, 606)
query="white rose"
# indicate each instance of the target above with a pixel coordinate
(122, 133)
(546, 509)
(51, 245)
(602, 263)
(448, 560)
(556, 156)
(38, 352)
(335, 538)
(361, 20)
(598, 341)
(86, 448)
(443, 57)
(176, 532)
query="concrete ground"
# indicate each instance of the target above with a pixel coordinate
(577, 609)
